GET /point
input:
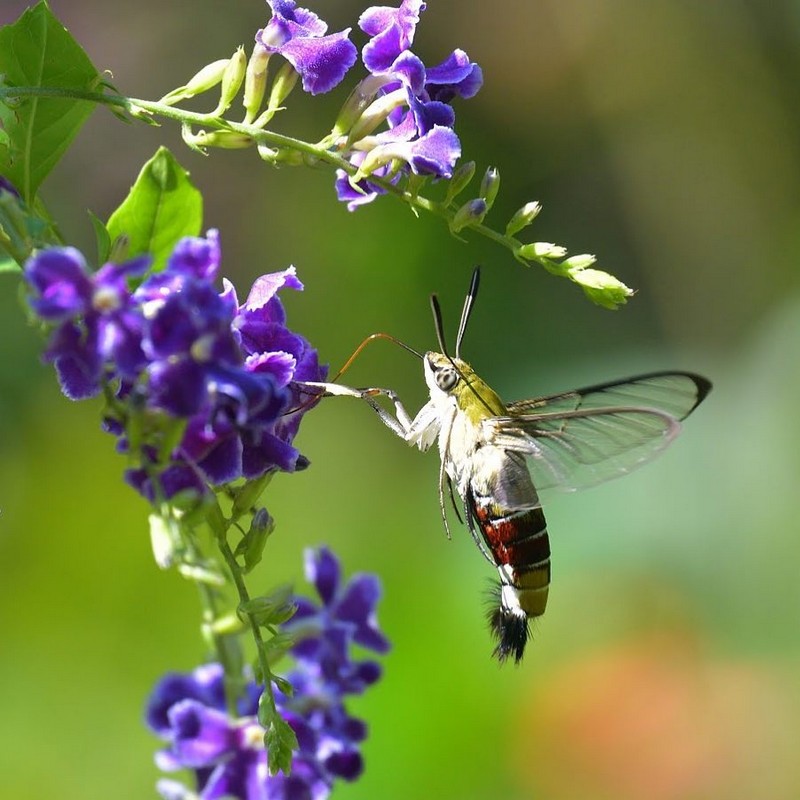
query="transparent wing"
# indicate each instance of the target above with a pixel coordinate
(586, 436)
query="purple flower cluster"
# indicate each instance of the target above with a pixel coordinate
(172, 350)
(411, 99)
(227, 755)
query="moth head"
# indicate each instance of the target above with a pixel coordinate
(445, 375)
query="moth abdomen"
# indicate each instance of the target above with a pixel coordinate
(517, 540)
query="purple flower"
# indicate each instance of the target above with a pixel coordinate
(183, 361)
(93, 315)
(456, 76)
(298, 35)
(360, 192)
(270, 348)
(7, 186)
(226, 753)
(392, 31)
(349, 606)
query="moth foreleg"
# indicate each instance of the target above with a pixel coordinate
(399, 424)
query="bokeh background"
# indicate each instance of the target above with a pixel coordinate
(663, 136)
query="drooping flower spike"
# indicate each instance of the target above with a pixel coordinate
(226, 753)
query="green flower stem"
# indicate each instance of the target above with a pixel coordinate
(244, 597)
(600, 287)
(227, 648)
(186, 552)
(316, 152)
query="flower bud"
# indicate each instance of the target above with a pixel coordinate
(231, 81)
(248, 493)
(490, 186)
(161, 541)
(227, 625)
(357, 103)
(377, 113)
(461, 177)
(601, 288)
(207, 575)
(255, 82)
(282, 86)
(542, 250)
(523, 218)
(282, 155)
(471, 213)
(579, 262)
(375, 159)
(207, 78)
(251, 547)
(227, 140)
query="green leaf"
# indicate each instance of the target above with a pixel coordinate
(280, 741)
(283, 685)
(38, 51)
(161, 207)
(272, 609)
(102, 238)
(252, 544)
(7, 264)
(21, 231)
(275, 649)
(246, 495)
(461, 177)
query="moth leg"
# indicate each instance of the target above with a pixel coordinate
(443, 476)
(472, 525)
(399, 424)
(453, 500)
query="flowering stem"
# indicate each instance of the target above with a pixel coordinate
(143, 109)
(244, 598)
(227, 649)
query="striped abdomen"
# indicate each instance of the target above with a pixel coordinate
(505, 512)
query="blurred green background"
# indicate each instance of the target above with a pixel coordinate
(663, 136)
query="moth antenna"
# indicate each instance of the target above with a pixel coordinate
(437, 321)
(469, 302)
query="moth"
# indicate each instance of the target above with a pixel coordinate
(497, 457)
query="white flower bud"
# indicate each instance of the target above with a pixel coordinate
(523, 218)
(579, 262)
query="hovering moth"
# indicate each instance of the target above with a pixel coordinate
(497, 457)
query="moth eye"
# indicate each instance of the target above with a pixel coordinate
(446, 379)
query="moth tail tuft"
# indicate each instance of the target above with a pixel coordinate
(509, 627)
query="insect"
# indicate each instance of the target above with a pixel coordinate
(497, 457)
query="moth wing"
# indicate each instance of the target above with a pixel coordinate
(587, 436)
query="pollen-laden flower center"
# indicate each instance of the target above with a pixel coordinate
(202, 349)
(253, 736)
(273, 36)
(105, 299)
(151, 307)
